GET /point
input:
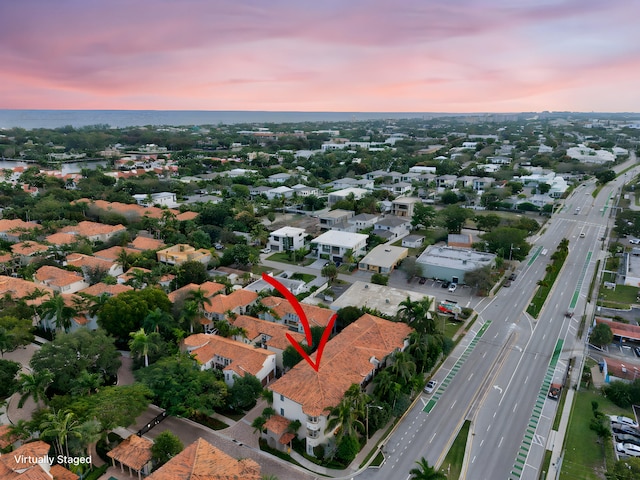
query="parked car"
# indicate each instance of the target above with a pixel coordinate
(628, 449)
(507, 284)
(619, 428)
(445, 284)
(266, 250)
(218, 246)
(431, 386)
(623, 420)
(513, 276)
(452, 287)
(422, 280)
(626, 438)
(637, 351)
(634, 241)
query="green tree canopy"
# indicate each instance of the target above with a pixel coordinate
(125, 313)
(244, 392)
(166, 446)
(454, 217)
(507, 241)
(14, 332)
(601, 335)
(8, 380)
(72, 353)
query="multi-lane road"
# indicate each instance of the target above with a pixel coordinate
(498, 376)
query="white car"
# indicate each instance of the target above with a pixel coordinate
(431, 386)
(452, 287)
(628, 449)
(624, 420)
(266, 250)
(634, 241)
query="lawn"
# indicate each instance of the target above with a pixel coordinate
(452, 464)
(583, 454)
(283, 257)
(620, 297)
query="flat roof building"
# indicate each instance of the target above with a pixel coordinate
(451, 264)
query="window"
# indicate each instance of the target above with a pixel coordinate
(282, 412)
(281, 398)
(313, 433)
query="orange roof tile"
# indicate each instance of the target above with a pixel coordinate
(60, 473)
(238, 298)
(277, 424)
(19, 288)
(209, 288)
(126, 276)
(146, 243)
(113, 252)
(134, 452)
(6, 438)
(100, 288)
(275, 332)
(317, 316)
(60, 238)
(89, 229)
(16, 225)
(346, 360)
(19, 458)
(203, 461)
(81, 260)
(243, 357)
(5, 257)
(57, 277)
(184, 216)
(28, 248)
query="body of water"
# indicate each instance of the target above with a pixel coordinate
(30, 119)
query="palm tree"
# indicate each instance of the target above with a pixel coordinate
(140, 344)
(258, 424)
(157, 318)
(56, 309)
(34, 385)
(383, 384)
(346, 418)
(403, 367)
(419, 349)
(200, 298)
(424, 471)
(190, 314)
(93, 304)
(137, 279)
(22, 429)
(61, 425)
(407, 310)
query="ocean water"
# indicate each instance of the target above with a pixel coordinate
(30, 119)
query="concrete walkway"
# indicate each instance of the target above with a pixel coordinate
(559, 436)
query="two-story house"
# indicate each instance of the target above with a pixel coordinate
(392, 227)
(352, 357)
(178, 254)
(334, 217)
(279, 310)
(286, 239)
(221, 307)
(59, 280)
(334, 244)
(403, 206)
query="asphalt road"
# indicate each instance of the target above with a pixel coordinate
(498, 376)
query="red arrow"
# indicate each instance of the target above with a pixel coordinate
(305, 323)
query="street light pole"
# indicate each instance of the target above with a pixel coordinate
(367, 417)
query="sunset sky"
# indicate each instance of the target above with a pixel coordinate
(321, 55)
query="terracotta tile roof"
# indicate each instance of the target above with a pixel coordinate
(203, 461)
(25, 451)
(132, 210)
(134, 452)
(317, 316)
(126, 276)
(19, 288)
(243, 357)
(275, 332)
(277, 424)
(113, 252)
(81, 260)
(620, 329)
(346, 360)
(60, 473)
(16, 225)
(60, 238)
(6, 438)
(100, 288)
(28, 248)
(56, 277)
(6, 257)
(90, 229)
(223, 303)
(209, 288)
(146, 243)
(186, 216)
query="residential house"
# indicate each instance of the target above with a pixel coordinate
(178, 254)
(203, 461)
(134, 454)
(59, 280)
(400, 188)
(268, 335)
(223, 306)
(305, 191)
(352, 357)
(12, 230)
(294, 286)
(113, 253)
(392, 227)
(482, 183)
(383, 258)
(59, 239)
(278, 177)
(344, 183)
(376, 174)
(363, 221)
(142, 243)
(90, 265)
(209, 289)
(499, 160)
(30, 461)
(286, 239)
(459, 240)
(167, 199)
(281, 311)
(403, 206)
(95, 232)
(259, 190)
(446, 181)
(451, 264)
(234, 358)
(279, 192)
(130, 277)
(26, 252)
(413, 241)
(334, 217)
(338, 195)
(335, 244)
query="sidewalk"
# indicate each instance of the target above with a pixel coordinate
(558, 437)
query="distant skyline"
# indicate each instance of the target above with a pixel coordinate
(333, 55)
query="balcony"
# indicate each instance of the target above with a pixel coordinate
(313, 427)
(313, 434)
